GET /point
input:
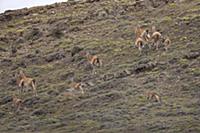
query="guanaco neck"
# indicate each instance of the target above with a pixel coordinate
(89, 57)
(22, 75)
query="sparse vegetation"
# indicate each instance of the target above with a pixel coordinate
(114, 99)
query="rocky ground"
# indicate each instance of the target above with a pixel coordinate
(40, 40)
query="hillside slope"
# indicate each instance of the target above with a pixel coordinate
(39, 41)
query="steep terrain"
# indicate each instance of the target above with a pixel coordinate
(40, 40)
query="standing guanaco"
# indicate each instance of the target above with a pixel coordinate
(26, 82)
(156, 39)
(153, 96)
(17, 102)
(139, 43)
(76, 86)
(167, 43)
(94, 60)
(138, 31)
(153, 29)
(144, 36)
(143, 33)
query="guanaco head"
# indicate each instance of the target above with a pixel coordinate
(21, 74)
(148, 36)
(153, 96)
(88, 54)
(166, 39)
(17, 78)
(139, 42)
(16, 100)
(85, 54)
(153, 29)
(14, 97)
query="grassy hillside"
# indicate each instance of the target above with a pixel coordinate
(39, 41)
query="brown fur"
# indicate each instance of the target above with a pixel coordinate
(139, 43)
(17, 102)
(167, 43)
(142, 33)
(138, 31)
(153, 96)
(94, 60)
(77, 86)
(26, 82)
(145, 35)
(68, 94)
(156, 39)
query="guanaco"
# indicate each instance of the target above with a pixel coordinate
(69, 95)
(26, 82)
(143, 33)
(167, 43)
(139, 43)
(138, 31)
(156, 39)
(76, 86)
(17, 102)
(94, 60)
(153, 29)
(153, 96)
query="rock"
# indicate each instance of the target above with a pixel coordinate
(88, 67)
(37, 51)
(89, 83)
(2, 114)
(91, 1)
(33, 34)
(6, 62)
(143, 109)
(76, 50)
(30, 56)
(173, 61)
(20, 40)
(6, 99)
(13, 50)
(144, 67)
(29, 102)
(123, 73)
(12, 81)
(67, 76)
(78, 58)
(39, 112)
(57, 33)
(192, 55)
(108, 77)
(74, 29)
(144, 61)
(21, 64)
(53, 93)
(102, 14)
(3, 49)
(55, 56)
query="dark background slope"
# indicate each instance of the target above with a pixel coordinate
(114, 99)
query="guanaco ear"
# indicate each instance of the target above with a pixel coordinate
(72, 79)
(153, 28)
(21, 72)
(13, 96)
(82, 53)
(163, 39)
(87, 53)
